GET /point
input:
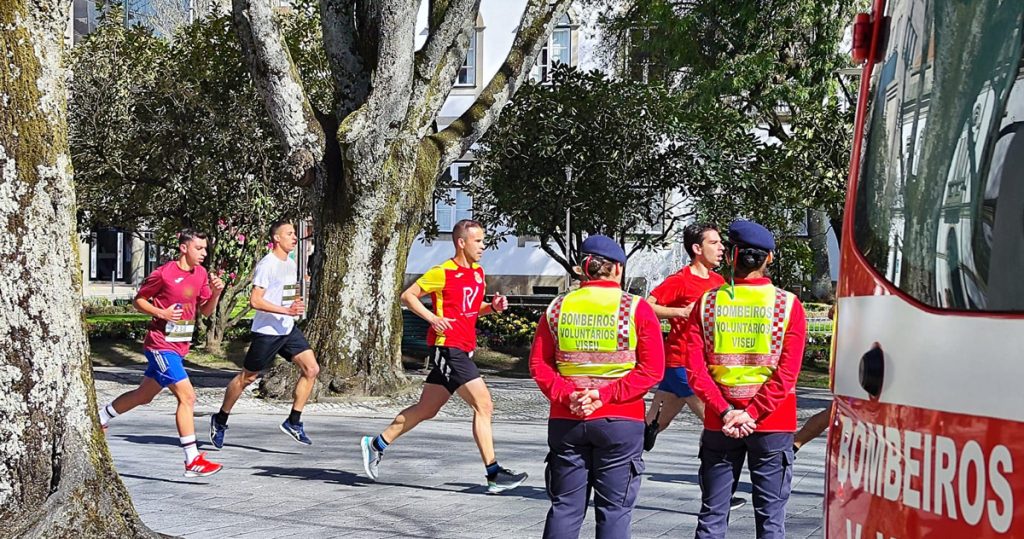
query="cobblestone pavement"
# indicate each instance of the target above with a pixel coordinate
(431, 484)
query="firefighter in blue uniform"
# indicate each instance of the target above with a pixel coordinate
(746, 342)
(597, 352)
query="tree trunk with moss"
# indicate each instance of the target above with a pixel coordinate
(56, 476)
(373, 160)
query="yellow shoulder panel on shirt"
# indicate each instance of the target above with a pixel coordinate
(433, 280)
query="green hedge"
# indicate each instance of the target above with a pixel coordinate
(133, 327)
(512, 328)
(130, 329)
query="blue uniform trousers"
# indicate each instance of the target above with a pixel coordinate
(603, 455)
(770, 459)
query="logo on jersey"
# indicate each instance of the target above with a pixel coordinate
(479, 279)
(469, 295)
(179, 280)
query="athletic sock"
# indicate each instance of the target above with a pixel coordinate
(221, 417)
(380, 444)
(295, 417)
(492, 470)
(107, 413)
(188, 444)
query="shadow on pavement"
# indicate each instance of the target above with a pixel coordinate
(201, 377)
(171, 440)
(350, 479)
(147, 478)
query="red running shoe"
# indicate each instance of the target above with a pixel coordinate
(200, 467)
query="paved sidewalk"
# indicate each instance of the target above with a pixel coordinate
(431, 483)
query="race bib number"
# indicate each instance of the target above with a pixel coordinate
(180, 331)
(291, 291)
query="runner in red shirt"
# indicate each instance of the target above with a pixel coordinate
(673, 300)
(172, 295)
(456, 288)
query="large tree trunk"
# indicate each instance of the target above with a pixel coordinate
(374, 159)
(56, 476)
(821, 279)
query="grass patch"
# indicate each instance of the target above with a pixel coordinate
(813, 374)
(513, 363)
(125, 317)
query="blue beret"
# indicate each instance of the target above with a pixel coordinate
(604, 247)
(751, 234)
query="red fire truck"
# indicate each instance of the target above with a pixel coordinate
(927, 436)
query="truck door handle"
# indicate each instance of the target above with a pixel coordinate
(872, 370)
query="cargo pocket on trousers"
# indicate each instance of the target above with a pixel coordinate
(636, 468)
(787, 459)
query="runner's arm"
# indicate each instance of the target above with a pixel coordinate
(144, 306)
(150, 287)
(664, 312)
(257, 302)
(209, 296)
(411, 299)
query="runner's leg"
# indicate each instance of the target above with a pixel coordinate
(477, 396)
(431, 400)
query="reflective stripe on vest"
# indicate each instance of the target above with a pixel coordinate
(743, 336)
(595, 332)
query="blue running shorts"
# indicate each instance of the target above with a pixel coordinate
(165, 367)
(675, 382)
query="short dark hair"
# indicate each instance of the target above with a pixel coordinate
(461, 229)
(186, 235)
(693, 234)
(276, 225)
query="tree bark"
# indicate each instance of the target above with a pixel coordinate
(821, 279)
(56, 477)
(378, 163)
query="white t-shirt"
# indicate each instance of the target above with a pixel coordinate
(279, 279)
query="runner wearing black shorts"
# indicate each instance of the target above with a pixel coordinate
(456, 288)
(274, 333)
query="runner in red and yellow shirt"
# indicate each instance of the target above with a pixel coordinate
(456, 288)
(457, 293)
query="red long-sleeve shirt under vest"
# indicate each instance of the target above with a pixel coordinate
(623, 398)
(774, 405)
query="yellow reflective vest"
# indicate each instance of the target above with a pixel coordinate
(744, 335)
(595, 331)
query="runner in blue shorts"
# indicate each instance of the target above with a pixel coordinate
(173, 295)
(673, 300)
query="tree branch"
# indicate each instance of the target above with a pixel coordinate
(544, 246)
(539, 19)
(351, 79)
(452, 23)
(278, 81)
(391, 66)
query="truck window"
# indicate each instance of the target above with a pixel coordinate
(940, 203)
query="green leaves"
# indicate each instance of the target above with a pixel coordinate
(758, 85)
(167, 134)
(623, 142)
